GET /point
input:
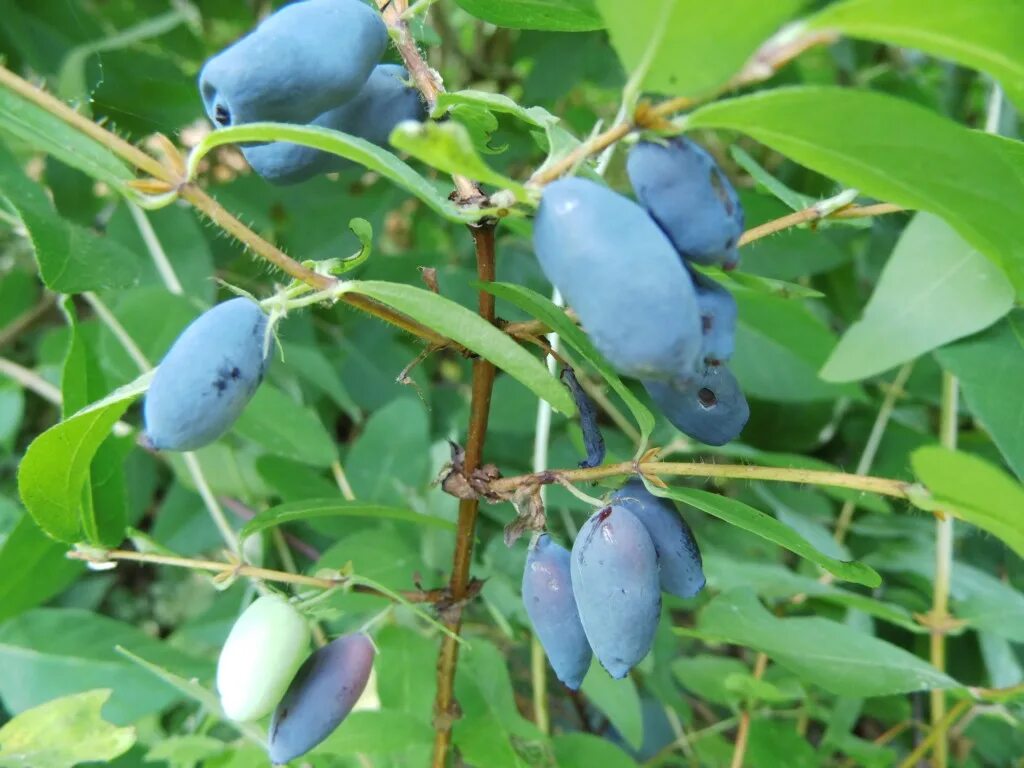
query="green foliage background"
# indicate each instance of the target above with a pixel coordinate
(852, 333)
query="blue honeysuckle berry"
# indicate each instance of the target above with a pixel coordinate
(709, 407)
(301, 61)
(622, 277)
(207, 377)
(614, 570)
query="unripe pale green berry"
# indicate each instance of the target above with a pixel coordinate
(265, 647)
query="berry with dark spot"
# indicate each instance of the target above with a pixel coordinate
(718, 315)
(301, 61)
(685, 191)
(614, 570)
(207, 377)
(681, 569)
(321, 695)
(549, 602)
(709, 406)
(621, 275)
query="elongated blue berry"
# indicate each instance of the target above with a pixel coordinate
(621, 275)
(615, 579)
(709, 407)
(681, 572)
(266, 645)
(685, 191)
(384, 102)
(321, 695)
(549, 602)
(593, 440)
(303, 60)
(207, 377)
(718, 319)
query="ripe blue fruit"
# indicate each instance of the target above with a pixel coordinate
(685, 191)
(266, 645)
(321, 695)
(207, 377)
(304, 59)
(549, 602)
(718, 319)
(679, 560)
(621, 275)
(593, 440)
(709, 407)
(384, 102)
(615, 579)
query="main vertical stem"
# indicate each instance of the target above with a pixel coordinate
(479, 409)
(943, 575)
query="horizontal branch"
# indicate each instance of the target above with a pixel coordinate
(866, 483)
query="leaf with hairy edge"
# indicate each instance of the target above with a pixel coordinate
(315, 508)
(767, 527)
(493, 102)
(890, 149)
(543, 309)
(473, 332)
(973, 491)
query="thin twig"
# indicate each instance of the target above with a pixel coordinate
(936, 734)
(30, 380)
(13, 330)
(743, 732)
(880, 485)
(814, 214)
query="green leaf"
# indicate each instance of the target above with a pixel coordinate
(71, 258)
(793, 199)
(35, 569)
(469, 329)
(377, 733)
(984, 34)
(990, 367)
(50, 652)
(832, 655)
(890, 149)
(56, 465)
(286, 428)
(318, 508)
(63, 732)
(769, 286)
(690, 47)
(449, 148)
(353, 148)
(973, 491)
(584, 750)
(552, 15)
(389, 461)
(543, 309)
(618, 700)
(780, 345)
(493, 102)
(43, 131)
(767, 527)
(935, 288)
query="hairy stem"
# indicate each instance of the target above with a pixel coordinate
(479, 410)
(867, 483)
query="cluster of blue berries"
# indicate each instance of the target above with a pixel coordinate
(604, 598)
(264, 669)
(290, 69)
(626, 269)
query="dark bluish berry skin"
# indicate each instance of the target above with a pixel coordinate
(384, 102)
(549, 602)
(321, 695)
(303, 60)
(685, 191)
(593, 440)
(708, 406)
(207, 377)
(681, 571)
(615, 579)
(621, 275)
(718, 319)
